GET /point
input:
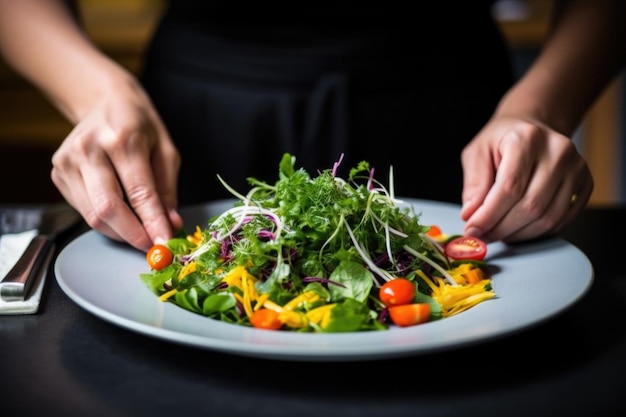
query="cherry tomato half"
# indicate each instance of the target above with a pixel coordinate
(396, 292)
(265, 318)
(409, 314)
(159, 256)
(466, 247)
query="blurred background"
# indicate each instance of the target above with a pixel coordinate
(31, 129)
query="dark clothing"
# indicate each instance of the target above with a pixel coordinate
(239, 84)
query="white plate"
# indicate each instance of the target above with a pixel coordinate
(533, 282)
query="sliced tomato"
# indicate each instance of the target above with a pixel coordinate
(159, 256)
(466, 247)
(409, 314)
(396, 292)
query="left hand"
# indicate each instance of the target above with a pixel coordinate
(522, 180)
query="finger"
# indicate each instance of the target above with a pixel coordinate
(132, 157)
(109, 210)
(569, 201)
(578, 202)
(533, 207)
(512, 177)
(69, 181)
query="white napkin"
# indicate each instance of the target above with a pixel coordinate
(11, 248)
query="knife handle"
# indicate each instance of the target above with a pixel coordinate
(19, 280)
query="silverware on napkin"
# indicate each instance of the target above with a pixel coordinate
(49, 222)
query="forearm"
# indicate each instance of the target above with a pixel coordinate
(44, 43)
(582, 55)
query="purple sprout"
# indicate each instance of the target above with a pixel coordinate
(240, 310)
(266, 234)
(383, 317)
(336, 165)
(322, 280)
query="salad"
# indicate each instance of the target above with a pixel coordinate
(320, 254)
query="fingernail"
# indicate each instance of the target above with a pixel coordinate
(464, 208)
(159, 240)
(175, 217)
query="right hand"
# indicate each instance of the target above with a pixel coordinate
(118, 168)
(520, 176)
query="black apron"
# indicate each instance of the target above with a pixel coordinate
(239, 84)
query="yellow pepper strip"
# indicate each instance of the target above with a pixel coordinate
(317, 315)
(459, 272)
(304, 298)
(196, 237)
(261, 299)
(272, 306)
(469, 302)
(249, 285)
(247, 305)
(467, 274)
(456, 299)
(234, 276)
(187, 269)
(249, 292)
(326, 319)
(239, 297)
(295, 319)
(165, 296)
(427, 280)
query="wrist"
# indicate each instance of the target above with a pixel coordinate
(531, 104)
(90, 85)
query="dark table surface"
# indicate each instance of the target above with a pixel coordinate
(64, 361)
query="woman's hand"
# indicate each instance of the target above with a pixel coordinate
(522, 180)
(118, 167)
